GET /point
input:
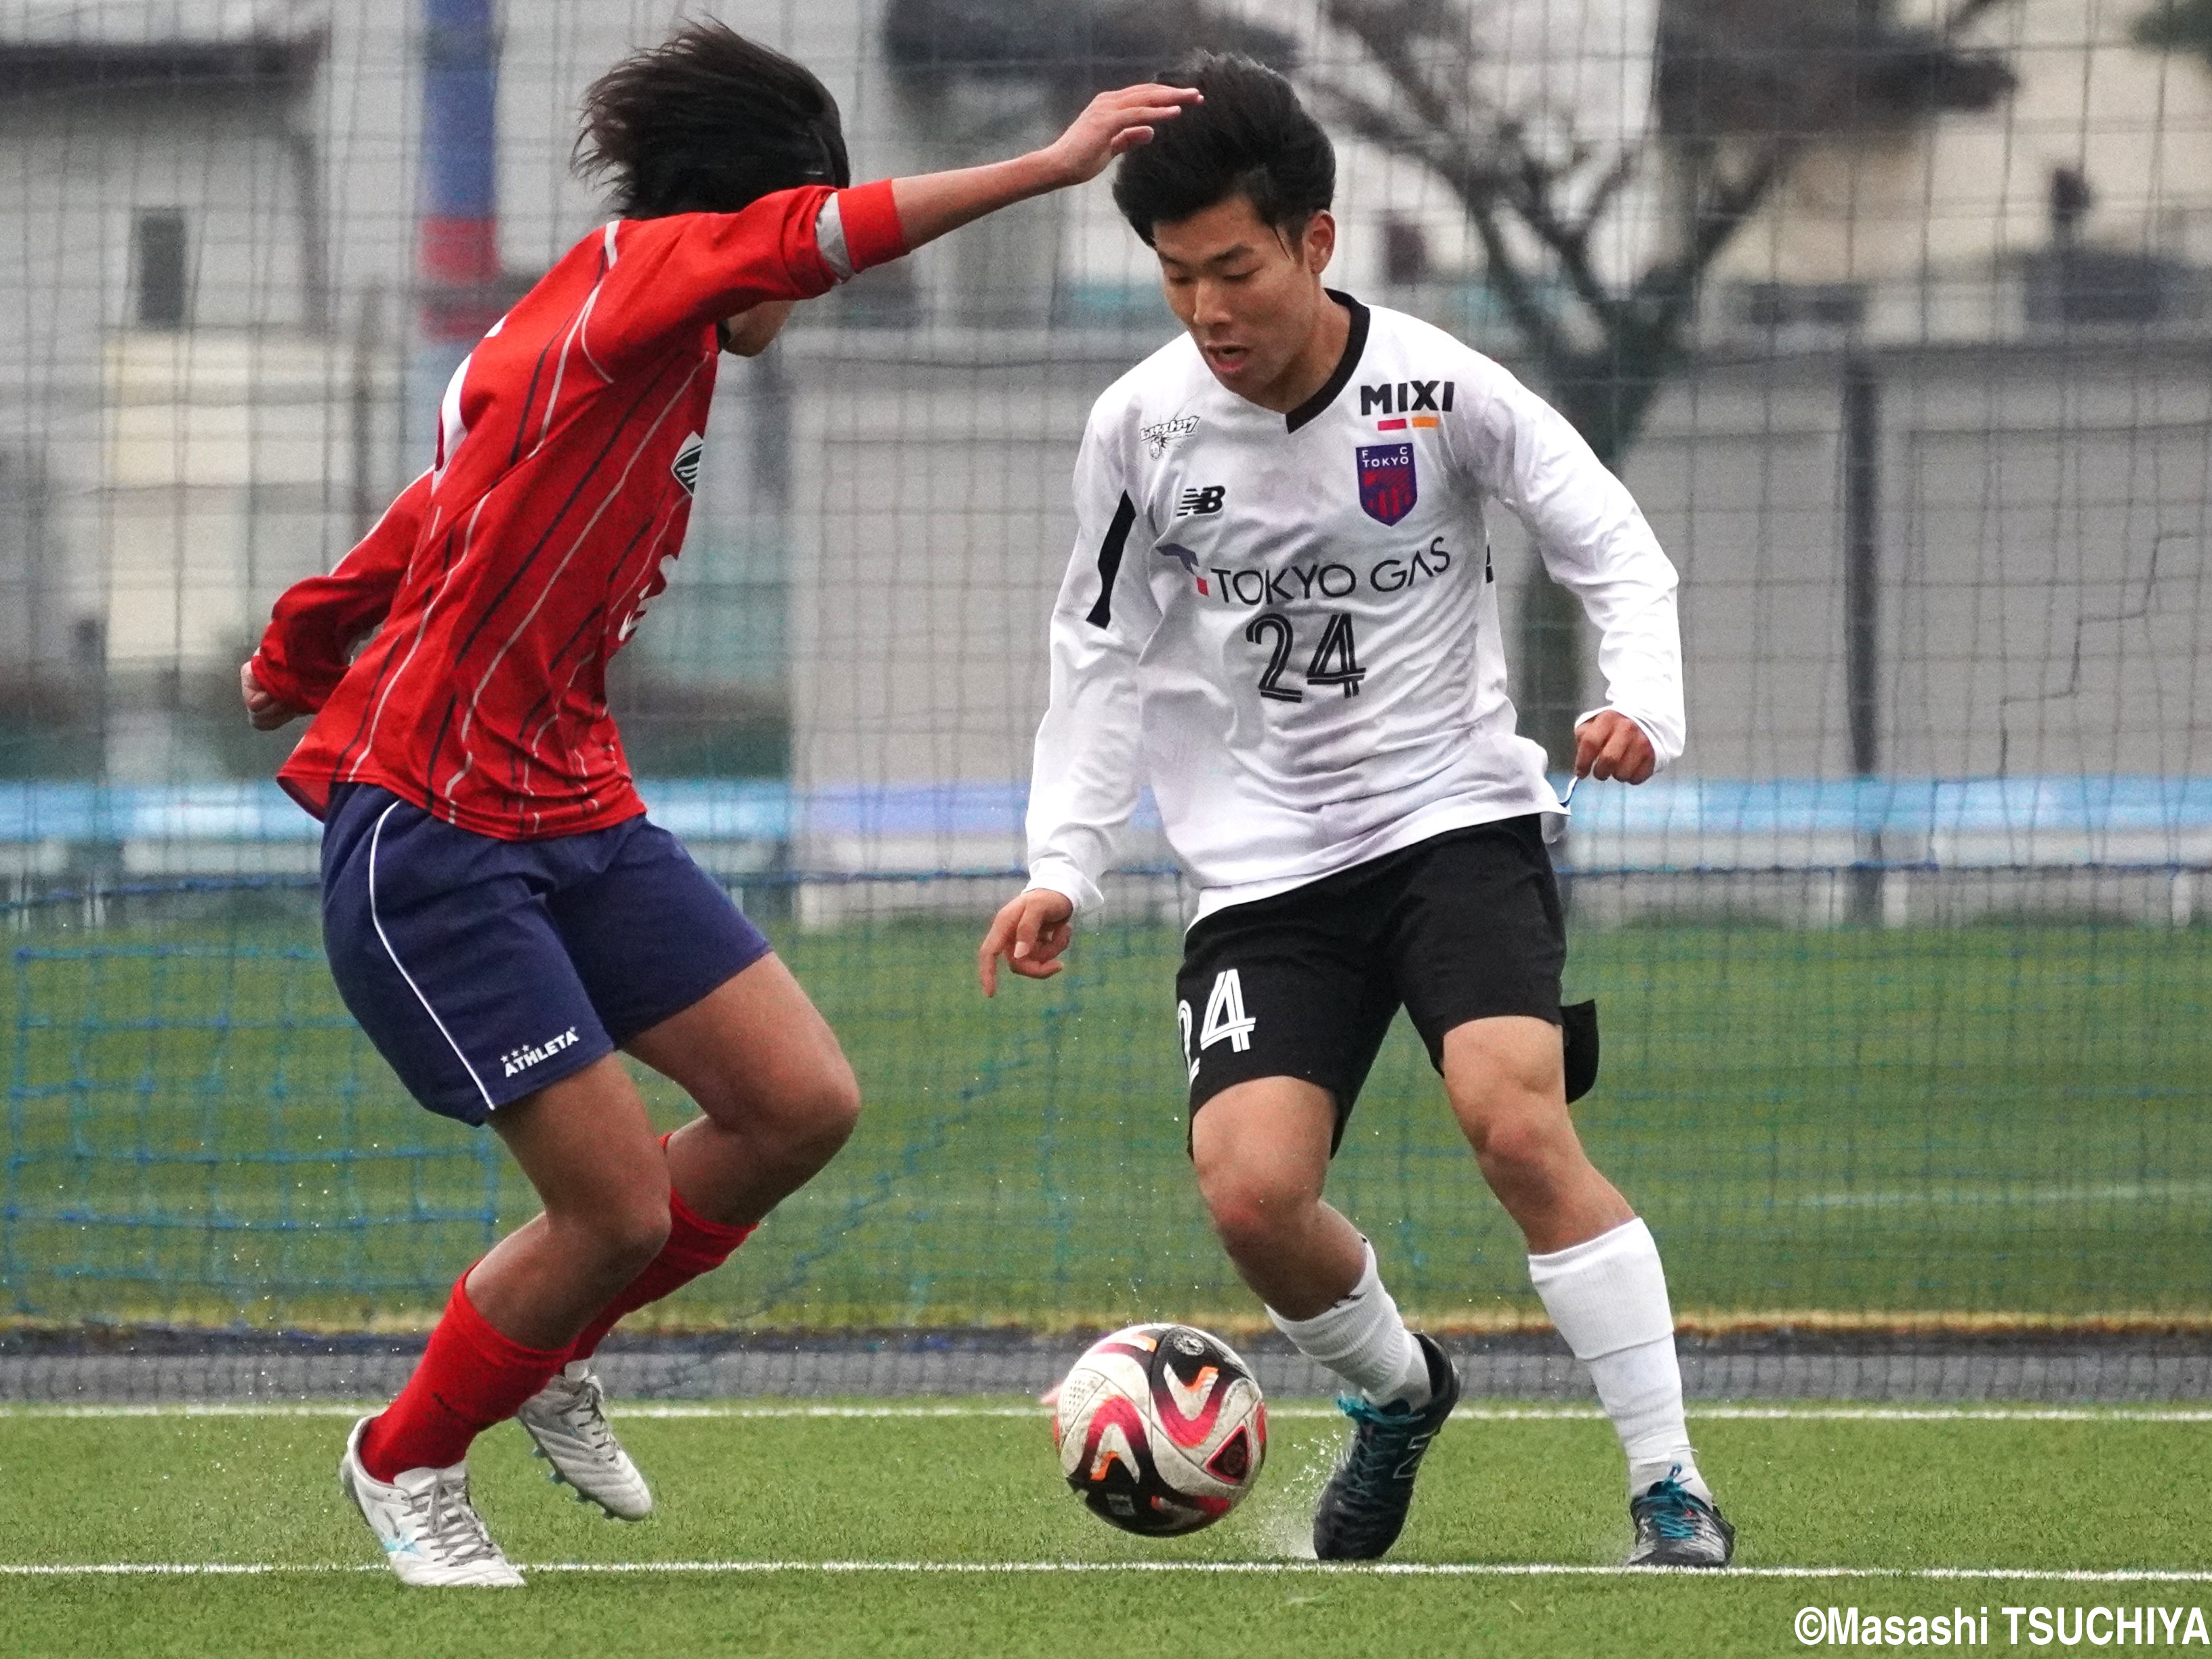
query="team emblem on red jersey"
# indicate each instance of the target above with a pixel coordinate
(1387, 490)
(686, 465)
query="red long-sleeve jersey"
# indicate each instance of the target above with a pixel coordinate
(501, 581)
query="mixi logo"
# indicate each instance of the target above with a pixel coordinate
(521, 1060)
(1397, 400)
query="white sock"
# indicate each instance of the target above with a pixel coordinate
(1363, 1341)
(1607, 1295)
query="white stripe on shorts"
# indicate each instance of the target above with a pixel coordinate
(374, 837)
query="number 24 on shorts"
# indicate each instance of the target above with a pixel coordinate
(1225, 1019)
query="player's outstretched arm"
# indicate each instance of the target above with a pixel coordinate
(931, 203)
(1597, 544)
(1029, 932)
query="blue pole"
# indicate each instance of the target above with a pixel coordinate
(458, 252)
(457, 228)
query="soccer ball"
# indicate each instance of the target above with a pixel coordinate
(1160, 1429)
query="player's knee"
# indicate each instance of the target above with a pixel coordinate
(827, 1114)
(797, 1120)
(628, 1234)
(1249, 1230)
(1250, 1215)
(1524, 1151)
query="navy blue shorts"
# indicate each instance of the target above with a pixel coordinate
(484, 970)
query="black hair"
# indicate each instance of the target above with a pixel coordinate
(708, 122)
(1251, 138)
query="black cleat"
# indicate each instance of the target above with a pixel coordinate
(1675, 1527)
(1362, 1508)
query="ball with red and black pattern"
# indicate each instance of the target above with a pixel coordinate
(1161, 1429)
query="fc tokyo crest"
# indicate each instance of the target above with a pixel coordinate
(1387, 487)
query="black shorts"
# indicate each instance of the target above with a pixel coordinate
(1305, 984)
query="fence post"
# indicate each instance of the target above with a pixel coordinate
(1862, 457)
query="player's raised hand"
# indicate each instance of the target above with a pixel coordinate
(263, 708)
(1114, 122)
(931, 203)
(1609, 744)
(1029, 932)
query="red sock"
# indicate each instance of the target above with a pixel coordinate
(471, 1377)
(695, 1245)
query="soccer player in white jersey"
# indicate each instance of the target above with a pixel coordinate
(1280, 615)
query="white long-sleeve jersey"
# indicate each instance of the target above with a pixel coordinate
(1287, 625)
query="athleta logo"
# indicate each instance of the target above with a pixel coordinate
(1404, 395)
(1196, 503)
(686, 465)
(1225, 1020)
(521, 1060)
(1158, 435)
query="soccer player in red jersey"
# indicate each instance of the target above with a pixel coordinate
(499, 915)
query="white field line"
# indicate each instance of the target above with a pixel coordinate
(1258, 1569)
(712, 1410)
(2036, 1196)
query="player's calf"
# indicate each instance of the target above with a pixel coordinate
(1506, 1080)
(1608, 1297)
(588, 1148)
(601, 1253)
(1259, 1150)
(1297, 1255)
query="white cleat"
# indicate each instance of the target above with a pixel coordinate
(431, 1534)
(568, 1418)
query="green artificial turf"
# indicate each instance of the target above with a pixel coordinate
(1948, 1492)
(1993, 1122)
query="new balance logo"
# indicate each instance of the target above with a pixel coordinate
(521, 1060)
(1195, 503)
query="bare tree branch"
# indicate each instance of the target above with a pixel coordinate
(1964, 14)
(1662, 298)
(1498, 170)
(1606, 350)
(1538, 322)
(1610, 183)
(1531, 199)
(1513, 174)
(1387, 32)
(1476, 184)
